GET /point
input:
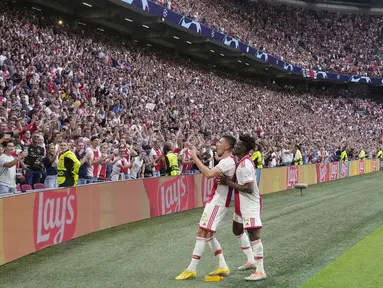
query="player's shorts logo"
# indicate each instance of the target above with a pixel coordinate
(204, 218)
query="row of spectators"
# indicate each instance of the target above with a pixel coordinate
(32, 164)
(60, 84)
(321, 40)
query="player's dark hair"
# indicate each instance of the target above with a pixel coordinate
(248, 140)
(230, 140)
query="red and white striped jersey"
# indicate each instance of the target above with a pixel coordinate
(246, 173)
(221, 194)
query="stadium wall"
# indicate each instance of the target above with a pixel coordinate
(30, 222)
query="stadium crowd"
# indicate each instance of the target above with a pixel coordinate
(114, 104)
(320, 40)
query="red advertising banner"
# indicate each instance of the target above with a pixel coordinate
(54, 217)
(170, 194)
(343, 169)
(322, 173)
(374, 166)
(361, 167)
(334, 171)
(292, 176)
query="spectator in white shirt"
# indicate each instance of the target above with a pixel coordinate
(120, 164)
(273, 160)
(138, 168)
(286, 157)
(8, 169)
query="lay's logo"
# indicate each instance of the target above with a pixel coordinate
(54, 217)
(170, 196)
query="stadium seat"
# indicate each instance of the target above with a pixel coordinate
(39, 186)
(26, 187)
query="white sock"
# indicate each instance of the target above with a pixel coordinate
(258, 254)
(200, 244)
(217, 250)
(244, 243)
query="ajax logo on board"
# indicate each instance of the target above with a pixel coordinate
(54, 217)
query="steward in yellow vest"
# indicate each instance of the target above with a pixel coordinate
(343, 155)
(171, 161)
(298, 159)
(257, 157)
(379, 155)
(67, 167)
(362, 155)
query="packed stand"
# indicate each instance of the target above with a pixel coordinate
(321, 40)
(105, 107)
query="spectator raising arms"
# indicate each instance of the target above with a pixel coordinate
(8, 168)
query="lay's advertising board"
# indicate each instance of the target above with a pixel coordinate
(33, 221)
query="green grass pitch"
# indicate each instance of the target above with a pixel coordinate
(301, 236)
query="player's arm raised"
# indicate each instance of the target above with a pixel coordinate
(245, 188)
(209, 173)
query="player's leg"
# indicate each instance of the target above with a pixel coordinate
(204, 232)
(215, 246)
(244, 242)
(199, 248)
(253, 226)
(215, 218)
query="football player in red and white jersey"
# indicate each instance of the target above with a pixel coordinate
(248, 206)
(215, 208)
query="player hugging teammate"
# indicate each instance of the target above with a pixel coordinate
(247, 208)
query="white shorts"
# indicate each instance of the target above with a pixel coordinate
(249, 221)
(248, 215)
(212, 216)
